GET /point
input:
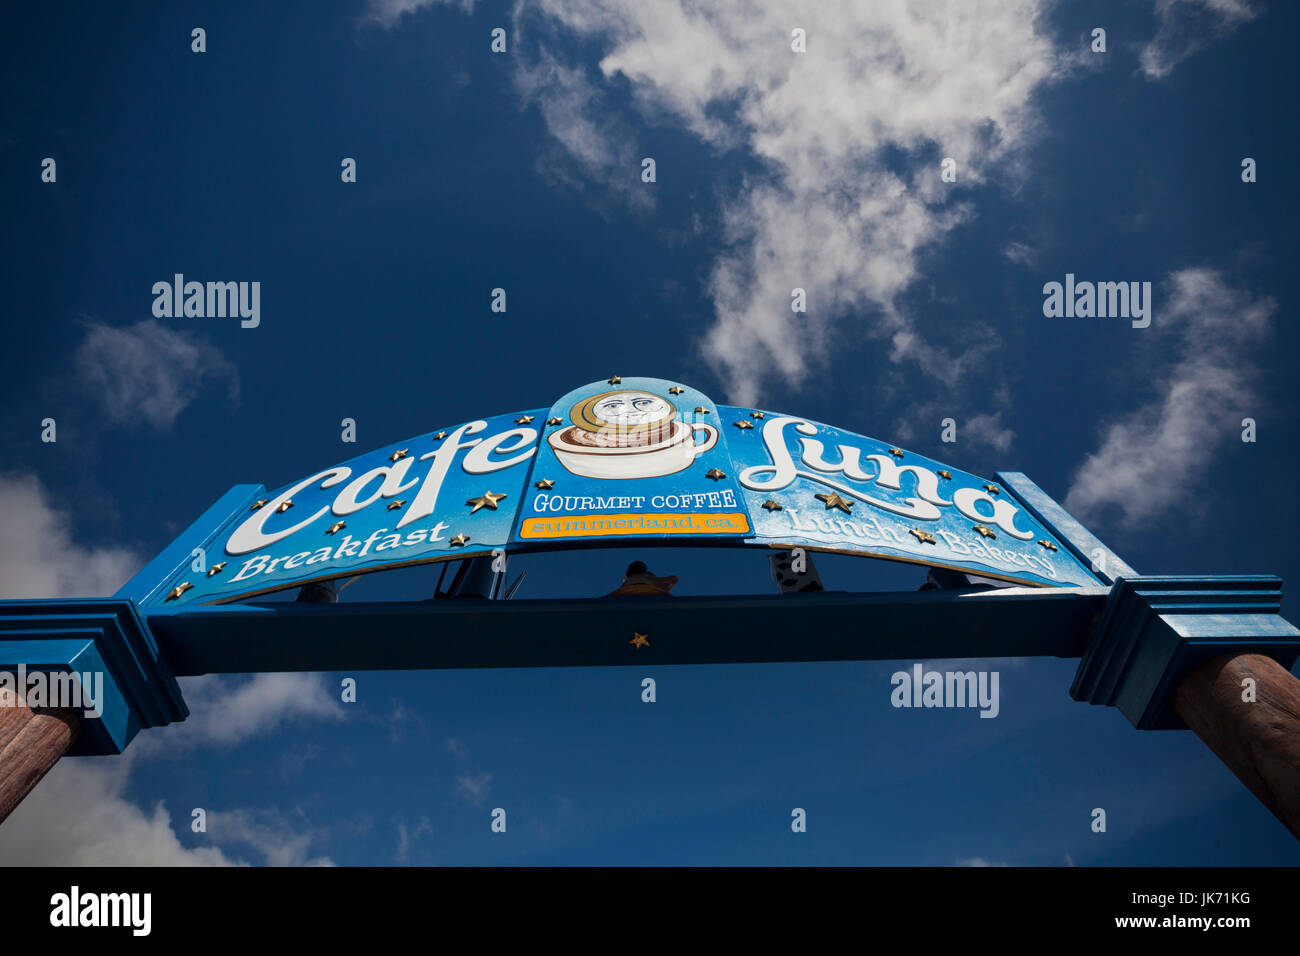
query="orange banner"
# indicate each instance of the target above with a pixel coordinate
(577, 526)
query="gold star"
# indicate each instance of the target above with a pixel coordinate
(400, 453)
(771, 505)
(285, 505)
(179, 590)
(257, 504)
(701, 410)
(336, 527)
(554, 420)
(715, 474)
(393, 506)
(440, 436)
(639, 640)
(1048, 545)
(460, 541)
(755, 414)
(992, 489)
(545, 483)
(524, 420)
(486, 500)
(676, 390)
(216, 568)
(985, 532)
(615, 380)
(923, 536)
(946, 475)
(743, 424)
(833, 500)
(896, 452)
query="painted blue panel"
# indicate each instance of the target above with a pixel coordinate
(106, 639)
(634, 457)
(444, 494)
(1154, 631)
(621, 460)
(816, 486)
(1104, 563)
(176, 557)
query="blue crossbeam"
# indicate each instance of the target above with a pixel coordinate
(829, 626)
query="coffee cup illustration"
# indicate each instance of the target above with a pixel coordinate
(628, 433)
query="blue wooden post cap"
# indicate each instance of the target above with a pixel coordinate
(1154, 631)
(106, 643)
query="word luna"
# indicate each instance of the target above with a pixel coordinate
(885, 473)
(213, 300)
(1102, 300)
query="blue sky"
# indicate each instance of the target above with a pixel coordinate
(521, 170)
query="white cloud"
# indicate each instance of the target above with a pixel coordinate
(474, 787)
(1149, 460)
(388, 12)
(38, 556)
(1186, 26)
(848, 135)
(406, 837)
(79, 815)
(575, 111)
(1020, 253)
(148, 372)
(279, 841)
(987, 431)
(227, 711)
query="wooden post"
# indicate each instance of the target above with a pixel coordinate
(1259, 740)
(31, 741)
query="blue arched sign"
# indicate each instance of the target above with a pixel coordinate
(617, 461)
(647, 461)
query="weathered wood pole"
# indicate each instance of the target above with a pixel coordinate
(1258, 739)
(31, 742)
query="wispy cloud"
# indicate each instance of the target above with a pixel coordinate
(577, 115)
(226, 711)
(844, 193)
(388, 12)
(1188, 25)
(148, 373)
(39, 557)
(81, 815)
(277, 839)
(984, 430)
(408, 836)
(1202, 394)
(1020, 253)
(474, 786)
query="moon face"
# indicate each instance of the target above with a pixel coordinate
(630, 409)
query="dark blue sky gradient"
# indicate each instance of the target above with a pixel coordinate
(375, 306)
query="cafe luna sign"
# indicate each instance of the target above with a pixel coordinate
(613, 462)
(646, 461)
